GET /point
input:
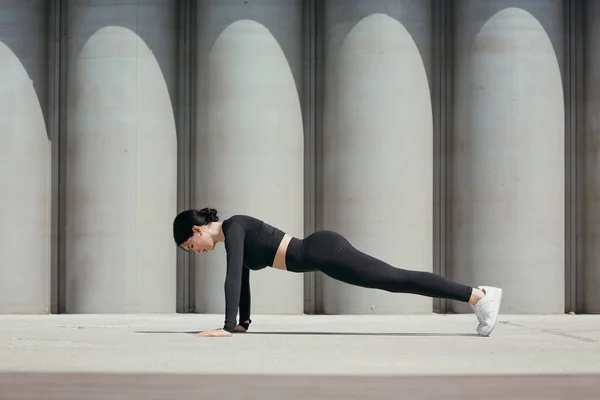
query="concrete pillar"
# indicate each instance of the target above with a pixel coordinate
(24, 159)
(591, 183)
(121, 157)
(250, 136)
(508, 152)
(377, 149)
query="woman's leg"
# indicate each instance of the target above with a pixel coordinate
(332, 254)
(354, 267)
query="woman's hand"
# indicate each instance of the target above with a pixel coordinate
(214, 333)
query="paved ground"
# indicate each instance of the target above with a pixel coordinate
(305, 356)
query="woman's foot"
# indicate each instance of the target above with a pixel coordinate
(476, 295)
(242, 326)
(486, 307)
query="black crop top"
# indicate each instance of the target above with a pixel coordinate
(250, 244)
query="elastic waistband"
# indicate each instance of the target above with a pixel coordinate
(292, 254)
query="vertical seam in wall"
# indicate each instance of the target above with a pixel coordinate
(308, 36)
(572, 157)
(446, 23)
(191, 48)
(569, 239)
(448, 34)
(62, 155)
(566, 85)
(436, 28)
(579, 155)
(53, 126)
(185, 163)
(185, 109)
(319, 73)
(181, 257)
(180, 129)
(136, 155)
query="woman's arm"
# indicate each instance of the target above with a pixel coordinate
(234, 245)
(245, 301)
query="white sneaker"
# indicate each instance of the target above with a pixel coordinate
(487, 310)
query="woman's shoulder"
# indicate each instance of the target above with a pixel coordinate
(246, 221)
(240, 218)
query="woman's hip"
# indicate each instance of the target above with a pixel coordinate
(315, 251)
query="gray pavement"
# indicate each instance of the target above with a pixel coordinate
(326, 352)
(343, 345)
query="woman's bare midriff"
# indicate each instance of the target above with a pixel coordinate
(279, 261)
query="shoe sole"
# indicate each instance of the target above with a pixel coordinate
(496, 294)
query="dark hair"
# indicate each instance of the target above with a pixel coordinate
(186, 220)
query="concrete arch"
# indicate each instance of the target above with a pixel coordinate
(249, 155)
(24, 190)
(121, 171)
(508, 194)
(378, 158)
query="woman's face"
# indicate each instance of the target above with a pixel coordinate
(201, 241)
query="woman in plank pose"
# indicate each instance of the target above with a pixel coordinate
(252, 244)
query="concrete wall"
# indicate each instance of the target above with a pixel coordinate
(377, 152)
(590, 189)
(121, 157)
(448, 136)
(508, 152)
(24, 159)
(249, 136)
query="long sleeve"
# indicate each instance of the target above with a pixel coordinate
(245, 296)
(234, 246)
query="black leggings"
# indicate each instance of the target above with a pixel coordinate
(332, 254)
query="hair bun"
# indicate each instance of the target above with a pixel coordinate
(210, 214)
